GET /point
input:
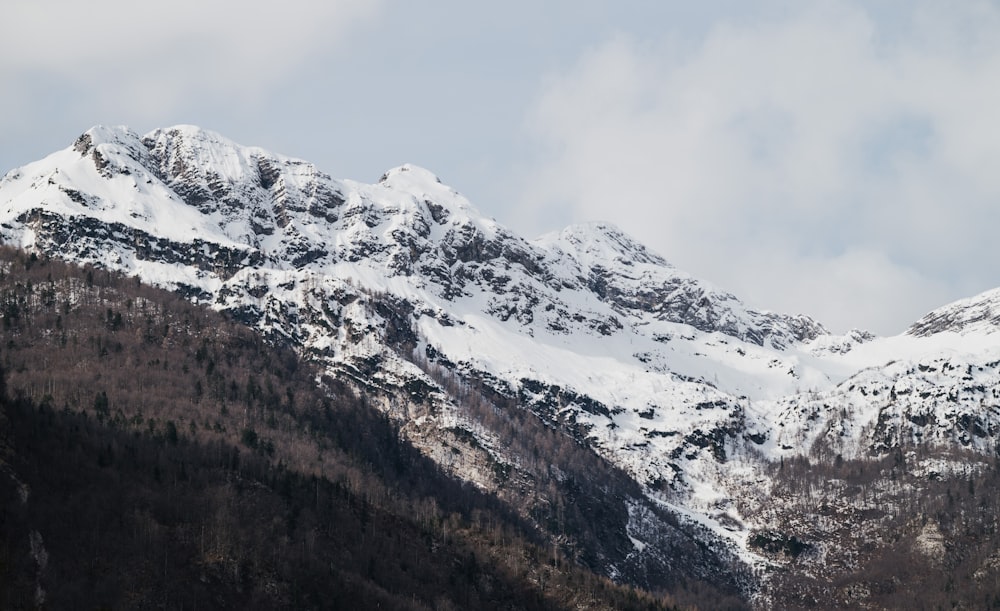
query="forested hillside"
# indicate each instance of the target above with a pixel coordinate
(156, 455)
(918, 529)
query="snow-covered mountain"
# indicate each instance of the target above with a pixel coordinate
(405, 287)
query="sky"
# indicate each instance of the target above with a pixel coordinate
(835, 158)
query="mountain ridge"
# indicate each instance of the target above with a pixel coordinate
(404, 287)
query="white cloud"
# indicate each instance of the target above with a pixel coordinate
(820, 154)
(859, 287)
(150, 57)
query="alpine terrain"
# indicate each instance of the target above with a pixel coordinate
(646, 424)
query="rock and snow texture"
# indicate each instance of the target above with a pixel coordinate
(979, 314)
(671, 379)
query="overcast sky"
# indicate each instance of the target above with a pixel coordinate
(840, 159)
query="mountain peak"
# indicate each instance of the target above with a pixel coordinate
(103, 143)
(980, 313)
(422, 184)
(186, 137)
(601, 241)
(190, 133)
(103, 134)
(408, 173)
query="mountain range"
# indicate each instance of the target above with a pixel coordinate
(478, 343)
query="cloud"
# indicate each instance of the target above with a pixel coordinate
(858, 284)
(829, 143)
(152, 57)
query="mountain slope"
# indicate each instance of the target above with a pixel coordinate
(979, 314)
(354, 303)
(478, 341)
(154, 454)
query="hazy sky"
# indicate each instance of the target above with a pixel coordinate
(840, 159)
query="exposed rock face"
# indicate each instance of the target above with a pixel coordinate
(635, 281)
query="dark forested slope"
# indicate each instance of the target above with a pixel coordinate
(153, 454)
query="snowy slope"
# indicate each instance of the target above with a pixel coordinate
(975, 315)
(675, 381)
